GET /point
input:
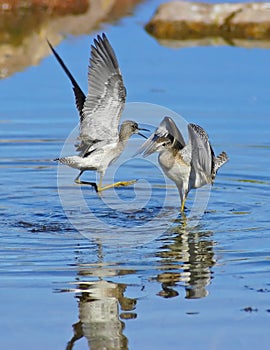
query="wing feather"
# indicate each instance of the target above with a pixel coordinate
(79, 94)
(167, 129)
(106, 94)
(202, 162)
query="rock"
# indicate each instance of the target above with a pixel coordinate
(192, 20)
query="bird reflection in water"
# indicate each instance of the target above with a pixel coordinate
(184, 260)
(103, 308)
(187, 258)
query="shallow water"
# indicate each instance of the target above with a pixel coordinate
(197, 285)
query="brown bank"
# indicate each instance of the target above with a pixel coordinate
(180, 20)
(25, 25)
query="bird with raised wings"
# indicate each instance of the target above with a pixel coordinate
(189, 165)
(100, 140)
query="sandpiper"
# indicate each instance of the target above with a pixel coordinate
(189, 165)
(100, 140)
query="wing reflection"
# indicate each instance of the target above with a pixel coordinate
(183, 260)
(187, 260)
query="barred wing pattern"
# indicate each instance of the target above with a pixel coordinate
(202, 157)
(106, 96)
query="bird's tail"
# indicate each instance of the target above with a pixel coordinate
(64, 160)
(221, 159)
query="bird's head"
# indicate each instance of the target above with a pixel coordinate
(128, 128)
(153, 144)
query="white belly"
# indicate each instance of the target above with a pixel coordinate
(97, 160)
(176, 170)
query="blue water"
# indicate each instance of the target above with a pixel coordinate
(203, 286)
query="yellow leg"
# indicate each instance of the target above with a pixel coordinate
(99, 187)
(100, 183)
(116, 184)
(183, 205)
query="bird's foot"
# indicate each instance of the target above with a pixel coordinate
(117, 184)
(125, 183)
(100, 189)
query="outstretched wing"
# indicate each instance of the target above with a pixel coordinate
(202, 161)
(167, 129)
(106, 94)
(79, 95)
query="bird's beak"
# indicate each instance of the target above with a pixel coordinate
(142, 135)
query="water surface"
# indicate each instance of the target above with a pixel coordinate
(203, 286)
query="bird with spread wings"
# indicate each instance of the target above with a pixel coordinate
(191, 164)
(100, 141)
